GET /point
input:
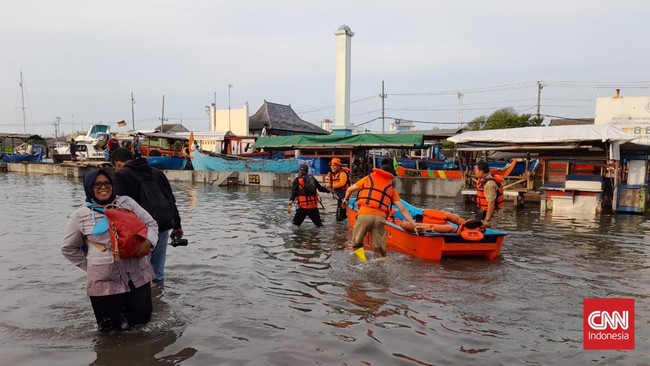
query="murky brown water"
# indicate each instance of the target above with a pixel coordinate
(251, 289)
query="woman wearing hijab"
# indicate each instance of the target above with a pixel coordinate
(119, 291)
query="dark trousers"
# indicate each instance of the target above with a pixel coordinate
(313, 214)
(341, 212)
(122, 311)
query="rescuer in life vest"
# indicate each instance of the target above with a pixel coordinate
(339, 181)
(375, 199)
(489, 195)
(304, 191)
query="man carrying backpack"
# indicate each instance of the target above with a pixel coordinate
(150, 188)
(304, 190)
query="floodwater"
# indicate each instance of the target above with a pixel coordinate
(252, 289)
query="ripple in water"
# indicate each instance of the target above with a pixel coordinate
(251, 288)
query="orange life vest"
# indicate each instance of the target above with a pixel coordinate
(481, 201)
(377, 192)
(304, 201)
(336, 177)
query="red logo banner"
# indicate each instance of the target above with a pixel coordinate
(608, 324)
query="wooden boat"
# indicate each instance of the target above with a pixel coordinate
(32, 148)
(35, 156)
(230, 163)
(433, 245)
(167, 162)
(163, 144)
(513, 168)
(428, 173)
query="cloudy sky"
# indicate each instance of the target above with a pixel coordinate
(81, 59)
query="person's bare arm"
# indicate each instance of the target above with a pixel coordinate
(405, 212)
(353, 188)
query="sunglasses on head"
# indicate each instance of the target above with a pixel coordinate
(102, 184)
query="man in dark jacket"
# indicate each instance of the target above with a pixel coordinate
(150, 188)
(304, 191)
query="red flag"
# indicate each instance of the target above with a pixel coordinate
(121, 123)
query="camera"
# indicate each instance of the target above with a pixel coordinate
(177, 241)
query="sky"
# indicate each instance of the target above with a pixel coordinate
(82, 59)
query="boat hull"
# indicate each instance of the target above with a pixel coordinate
(229, 163)
(36, 157)
(167, 162)
(436, 174)
(435, 246)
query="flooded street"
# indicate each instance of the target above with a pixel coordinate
(251, 289)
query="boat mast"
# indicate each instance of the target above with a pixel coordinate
(22, 92)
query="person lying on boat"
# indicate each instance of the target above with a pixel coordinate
(375, 199)
(489, 195)
(304, 191)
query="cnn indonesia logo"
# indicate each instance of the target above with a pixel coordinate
(608, 324)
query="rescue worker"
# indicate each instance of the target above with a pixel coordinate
(489, 194)
(339, 182)
(304, 191)
(375, 200)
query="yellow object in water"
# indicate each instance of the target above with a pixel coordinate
(361, 254)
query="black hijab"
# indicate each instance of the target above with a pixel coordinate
(89, 179)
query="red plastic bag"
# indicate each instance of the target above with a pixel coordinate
(128, 233)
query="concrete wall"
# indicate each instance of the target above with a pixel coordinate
(404, 185)
(428, 187)
(238, 120)
(632, 114)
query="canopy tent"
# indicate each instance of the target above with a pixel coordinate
(20, 136)
(544, 135)
(369, 140)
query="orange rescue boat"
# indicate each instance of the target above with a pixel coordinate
(441, 234)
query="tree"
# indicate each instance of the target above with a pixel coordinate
(504, 118)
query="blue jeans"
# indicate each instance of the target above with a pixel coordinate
(159, 255)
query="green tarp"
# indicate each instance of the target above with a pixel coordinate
(368, 140)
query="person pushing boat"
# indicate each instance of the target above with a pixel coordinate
(375, 199)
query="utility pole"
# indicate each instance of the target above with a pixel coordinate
(460, 109)
(383, 115)
(132, 111)
(56, 123)
(162, 117)
(539, 98)
(22, 92)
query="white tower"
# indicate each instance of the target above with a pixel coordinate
(343, 57)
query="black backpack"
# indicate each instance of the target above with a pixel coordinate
(310, 185)
(157, 201)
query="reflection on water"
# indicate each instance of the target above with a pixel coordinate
(252, 289)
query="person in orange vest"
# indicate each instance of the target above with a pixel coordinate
(304, 191)
(375, 199)
(489, 194)
(339, 181)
